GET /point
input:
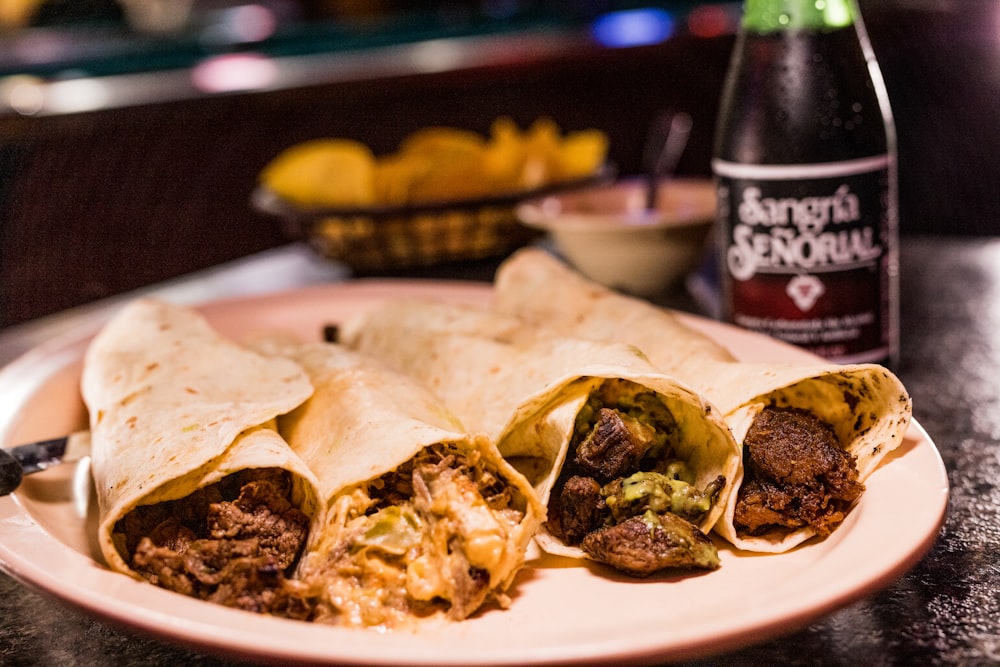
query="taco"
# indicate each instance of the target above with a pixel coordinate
(425, 520)
(197, 492)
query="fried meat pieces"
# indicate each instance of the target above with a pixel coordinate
(795, 475)
(623, 498)
(642, 545)
(626, 504)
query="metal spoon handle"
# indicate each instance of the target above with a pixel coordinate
(676, 132)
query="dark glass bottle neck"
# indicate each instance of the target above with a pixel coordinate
(800, 97)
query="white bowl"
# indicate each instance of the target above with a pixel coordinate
(608, 234)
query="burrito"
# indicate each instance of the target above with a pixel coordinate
(425, 521)
(633, 467)
(197, 492)
(811, 434)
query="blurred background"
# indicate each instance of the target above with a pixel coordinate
(132, 132)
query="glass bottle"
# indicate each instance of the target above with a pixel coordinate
(805, 166)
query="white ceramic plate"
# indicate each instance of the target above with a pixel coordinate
(562, 612)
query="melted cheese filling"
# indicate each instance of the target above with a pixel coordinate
(426, 539)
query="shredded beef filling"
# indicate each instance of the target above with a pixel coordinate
(233, 543)
(795, 475)
(622, 495)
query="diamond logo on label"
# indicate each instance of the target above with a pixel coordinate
(805, 291)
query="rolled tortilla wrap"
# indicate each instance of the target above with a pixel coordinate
(196, 490)
(568, 409)
(425, 520)
(866, 406)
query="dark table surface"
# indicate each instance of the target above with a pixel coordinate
(946, 610)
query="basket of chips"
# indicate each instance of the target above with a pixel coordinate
(444, 195)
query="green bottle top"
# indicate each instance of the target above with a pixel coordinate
(764, 16)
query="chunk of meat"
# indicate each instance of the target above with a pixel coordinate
(578, 509)
(643, 545)
(795, 475)
(615, 446)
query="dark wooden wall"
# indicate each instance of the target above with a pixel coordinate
(95, 204)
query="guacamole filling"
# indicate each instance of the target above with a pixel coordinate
(623, 495)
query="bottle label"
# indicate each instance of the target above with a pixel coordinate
(805, 253)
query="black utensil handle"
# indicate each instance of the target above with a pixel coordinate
(11, 473)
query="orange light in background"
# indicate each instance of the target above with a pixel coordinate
(234, 71)
(712, 21)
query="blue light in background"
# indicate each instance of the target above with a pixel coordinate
(634, 27)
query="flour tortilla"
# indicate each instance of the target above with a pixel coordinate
(524, 391)
(175, 407)
(866, 404)
(364, 421)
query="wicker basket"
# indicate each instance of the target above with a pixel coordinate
(376, 239)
